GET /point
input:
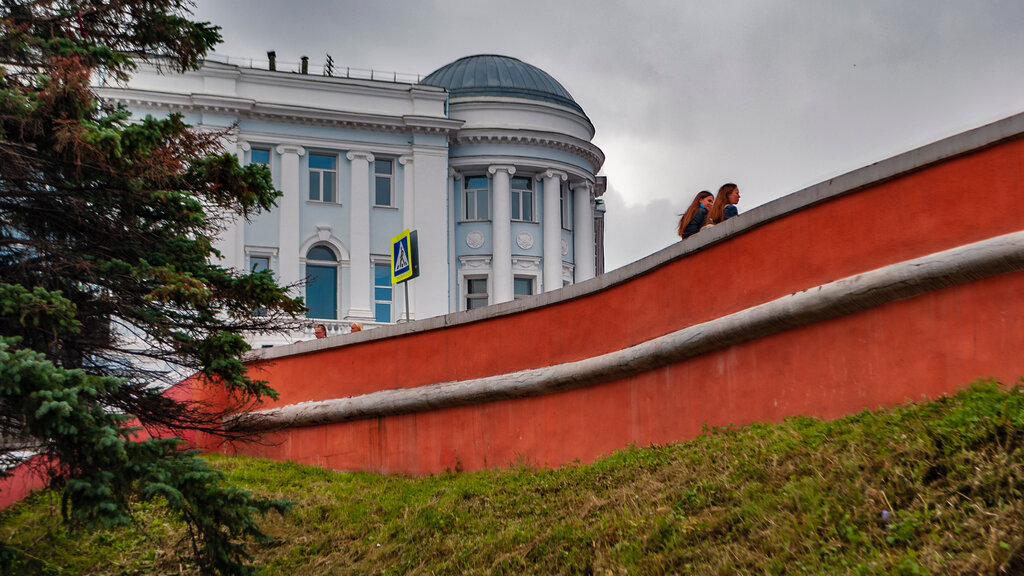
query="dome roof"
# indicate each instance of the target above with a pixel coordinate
(491, 75)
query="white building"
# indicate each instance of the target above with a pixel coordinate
(488, 158)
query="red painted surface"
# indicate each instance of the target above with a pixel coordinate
(34, 474)
(23, 480)
(924, 346)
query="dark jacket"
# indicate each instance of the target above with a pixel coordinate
(698, 220)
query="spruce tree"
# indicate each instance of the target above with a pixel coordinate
(109, 288)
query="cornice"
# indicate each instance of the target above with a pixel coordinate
(525, 164)
(339, 144)
(552, 140)
(469, 102)
(246, 108)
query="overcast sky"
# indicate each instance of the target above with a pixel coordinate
(774, 96)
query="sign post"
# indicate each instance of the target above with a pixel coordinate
(405, 262)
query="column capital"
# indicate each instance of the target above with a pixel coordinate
(501, 167)
(243, 145)
(563, 176)
(359, 155)
(405, 159)
(291, 149)
(454, 174)
(581, 184)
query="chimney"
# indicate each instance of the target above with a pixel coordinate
(305, 64)
(272, 56)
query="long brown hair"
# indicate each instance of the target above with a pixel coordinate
(691, 211)
(717, 212)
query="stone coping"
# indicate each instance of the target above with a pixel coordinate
(960, 265)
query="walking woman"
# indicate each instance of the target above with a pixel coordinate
(693, 218)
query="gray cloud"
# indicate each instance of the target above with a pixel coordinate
(685, 96)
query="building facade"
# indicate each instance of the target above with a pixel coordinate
(488, 158)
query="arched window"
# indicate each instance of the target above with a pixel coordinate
(322, 283)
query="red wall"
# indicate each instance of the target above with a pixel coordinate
(23, 480)
(926, 345)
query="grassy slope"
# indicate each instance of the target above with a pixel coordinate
(936, 488)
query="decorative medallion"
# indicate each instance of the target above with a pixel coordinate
(565, 247)
(525, 240)
(475, 239)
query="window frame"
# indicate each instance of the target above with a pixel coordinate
(518, 203)
(390, 176)
(565, 207)
(269, 258)
(533, 286)
(466, 191)
(390, 302)
(270, 157)
(335, 264)
(250, 269)
(468, 296)
(321, 171)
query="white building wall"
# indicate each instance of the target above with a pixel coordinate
(294, 116)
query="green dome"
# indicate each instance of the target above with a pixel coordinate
(491, 75)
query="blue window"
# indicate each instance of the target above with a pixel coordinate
(382, 292)
(383, 172)
(566, 209)
(522, 199)
(522, 287)
(321, 283)
(321, 253)
(260, 156)
(259, 263)
(476, 293)
(474, 199)
(323, 174)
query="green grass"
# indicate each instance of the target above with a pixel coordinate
(934, 488)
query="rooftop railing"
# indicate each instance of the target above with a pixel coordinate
(334, 70)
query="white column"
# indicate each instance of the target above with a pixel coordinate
(431, 220)
(583, 231)
(553, 229)
(237, 229)
(359, 237)
(408, 223)
(453, 267)
(231, 240)
(501, 232)
(288, 216)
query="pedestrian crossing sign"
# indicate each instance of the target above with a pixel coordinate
(405, 261)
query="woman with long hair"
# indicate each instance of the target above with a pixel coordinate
(725, 204)
(693, 218)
